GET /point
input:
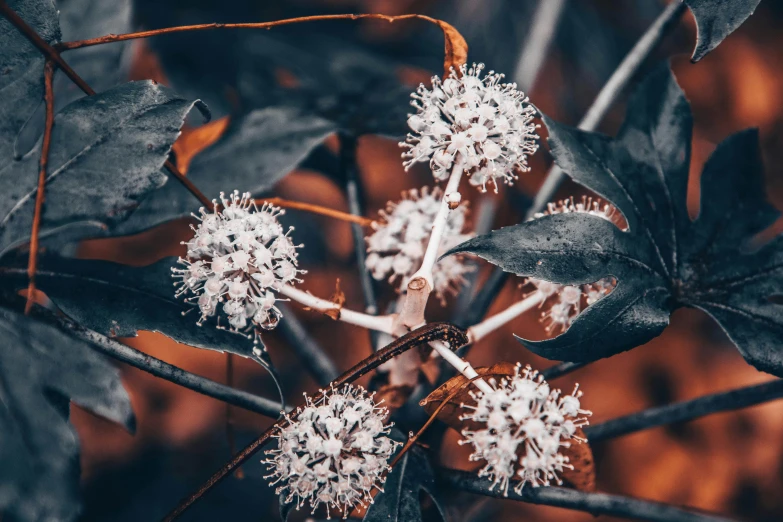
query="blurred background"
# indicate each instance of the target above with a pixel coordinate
(359, 74)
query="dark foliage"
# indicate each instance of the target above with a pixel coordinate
(664, 260)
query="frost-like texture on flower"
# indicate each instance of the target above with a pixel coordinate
(520, 429)
(237, 259)
(396, 247)
(564, 302)
(479, 123)
(334, 451)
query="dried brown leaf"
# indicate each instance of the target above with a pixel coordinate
(582, 477)
(338, 298)
(393, 396)
(194, 140)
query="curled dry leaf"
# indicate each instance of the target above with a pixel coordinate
(338, 298)
(193, 140)
(455, 392)
(393, 396)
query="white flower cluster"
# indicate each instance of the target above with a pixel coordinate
(334, 451)
(521, 427)
(565, 302)
(397, 245)
(480, 124)
(238, 258)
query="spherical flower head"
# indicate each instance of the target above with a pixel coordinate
(563, 303)
(333, 451)
(237, 260)
(471, 122)
(397, 245)
(520, 429)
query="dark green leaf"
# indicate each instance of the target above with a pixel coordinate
(21, 68)
(664, 260)
(256, 152)
(118, 300)
(400, 500)
(716, 19)
(41, 369)
(106, 154)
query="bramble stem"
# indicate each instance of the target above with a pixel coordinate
(482, 329)
(687, 410)
(147, 363)
(379, 323)
(439, 226)
(435, 331)
(593, 503)
(32, 263)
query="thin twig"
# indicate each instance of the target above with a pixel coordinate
(147, 363)
(593, 503)
(355, 195)
(32, 264)
(687, 410)
(540, 35)
(312, 355)
(435, 331)
(316, 209)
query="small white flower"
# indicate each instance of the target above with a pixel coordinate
(563, 303)
(238, 258)
(334, 451)
(522, 426)
(480, 124)
(397, 245)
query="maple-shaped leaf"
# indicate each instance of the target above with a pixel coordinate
(664, 260)
(717, 19)
(41, 370)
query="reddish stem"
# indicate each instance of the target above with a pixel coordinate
(32, 263)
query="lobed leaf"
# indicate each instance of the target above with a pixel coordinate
(717, 19)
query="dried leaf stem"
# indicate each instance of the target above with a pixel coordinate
(593, 503)
(316, 209)
(435, 331)
(32, 264)
(687, 410)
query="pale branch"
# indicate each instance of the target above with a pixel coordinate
(480, 330)
(540, 35)
(147, 363)
(593, 503)
(312, 355)
(687, 410)
(451, 199)
(436, 331)
(379, 323)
